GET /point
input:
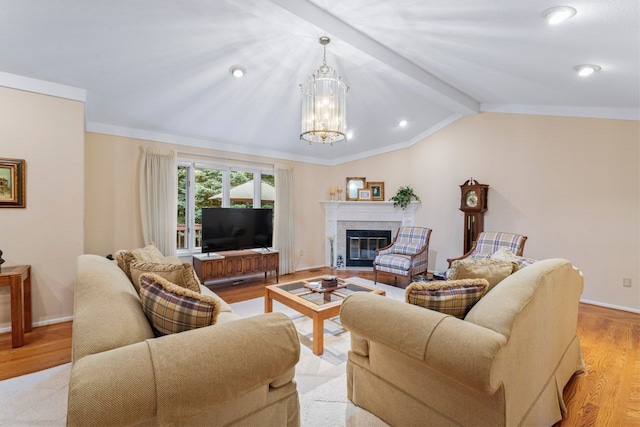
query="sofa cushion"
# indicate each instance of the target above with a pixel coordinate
(178, 274)
(407, 248)
(505, 254)
(149, 254)
(491, 269)
(171, 308)
(394, 261)
(123, 258)
(454, 297)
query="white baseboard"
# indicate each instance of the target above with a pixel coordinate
(40, 323)
(615, 307)
(312, 267)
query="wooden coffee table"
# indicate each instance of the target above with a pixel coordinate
(317, 304)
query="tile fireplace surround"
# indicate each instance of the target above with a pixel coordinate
(342, 216)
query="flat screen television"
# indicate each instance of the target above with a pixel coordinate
(228, 229)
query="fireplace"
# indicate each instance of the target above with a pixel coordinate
(362, 245)
(341, 216)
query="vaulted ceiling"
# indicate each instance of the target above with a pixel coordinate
(160, 68)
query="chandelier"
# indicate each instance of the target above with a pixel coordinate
(324, 104)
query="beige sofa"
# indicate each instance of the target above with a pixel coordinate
(236, 372)
(505, 364)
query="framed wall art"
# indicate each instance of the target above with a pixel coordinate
(13, 192)
(353, 185)
(364, 194)
(377, 190)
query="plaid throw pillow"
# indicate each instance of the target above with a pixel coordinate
(407, 248)
(171, 308)
(454, 297)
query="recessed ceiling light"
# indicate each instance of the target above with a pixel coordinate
(238, 71)
(586, 69)
(349, 135)
(558, 14)
(402, 123)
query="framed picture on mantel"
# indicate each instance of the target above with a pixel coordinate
(364, 194)
(353, 185)
(377, 190)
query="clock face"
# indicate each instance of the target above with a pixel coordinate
(471, 199)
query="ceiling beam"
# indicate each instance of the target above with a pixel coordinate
(438, 90)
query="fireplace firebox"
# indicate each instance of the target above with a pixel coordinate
(362, 246)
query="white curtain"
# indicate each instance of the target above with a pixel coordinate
(283, 228)
(159, 198)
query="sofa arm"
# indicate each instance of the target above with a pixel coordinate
(172, 376)
(113, 387)
(459, 349)
(208, 365)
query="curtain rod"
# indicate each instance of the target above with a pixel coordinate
(224, 158)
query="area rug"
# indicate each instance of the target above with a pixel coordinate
(40, 399)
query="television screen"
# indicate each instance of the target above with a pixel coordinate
(227, 229)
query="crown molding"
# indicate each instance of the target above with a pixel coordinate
(187, 141)
(14, 81)
(555, 110)
(401, 145)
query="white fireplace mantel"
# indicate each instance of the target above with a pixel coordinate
(362, 212)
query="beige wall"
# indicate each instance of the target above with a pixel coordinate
(571, 185)
(112, 209)
(48, 132)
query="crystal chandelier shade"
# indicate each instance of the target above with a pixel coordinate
(324, 105)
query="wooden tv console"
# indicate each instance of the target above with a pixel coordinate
(220, 265)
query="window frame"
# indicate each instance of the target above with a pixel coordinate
(226, 169)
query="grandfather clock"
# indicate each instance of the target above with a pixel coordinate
(473, 202)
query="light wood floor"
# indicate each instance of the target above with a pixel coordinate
(607, 394)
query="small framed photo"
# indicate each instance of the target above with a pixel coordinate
(12, 183)
(364, 194)
(353, 185)
(377, 190)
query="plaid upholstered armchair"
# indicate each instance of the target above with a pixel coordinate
(490, 242)
(406, 256)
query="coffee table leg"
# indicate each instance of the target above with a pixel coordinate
(268, 303)
(318, 334)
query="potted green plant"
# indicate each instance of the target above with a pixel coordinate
(403, 197)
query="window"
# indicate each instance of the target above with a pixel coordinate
(214, 186)
(183, 178)
(241, 189)
(268, 191)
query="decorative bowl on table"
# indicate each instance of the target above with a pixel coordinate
(314, 285)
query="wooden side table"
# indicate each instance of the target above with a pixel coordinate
(19, 278)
